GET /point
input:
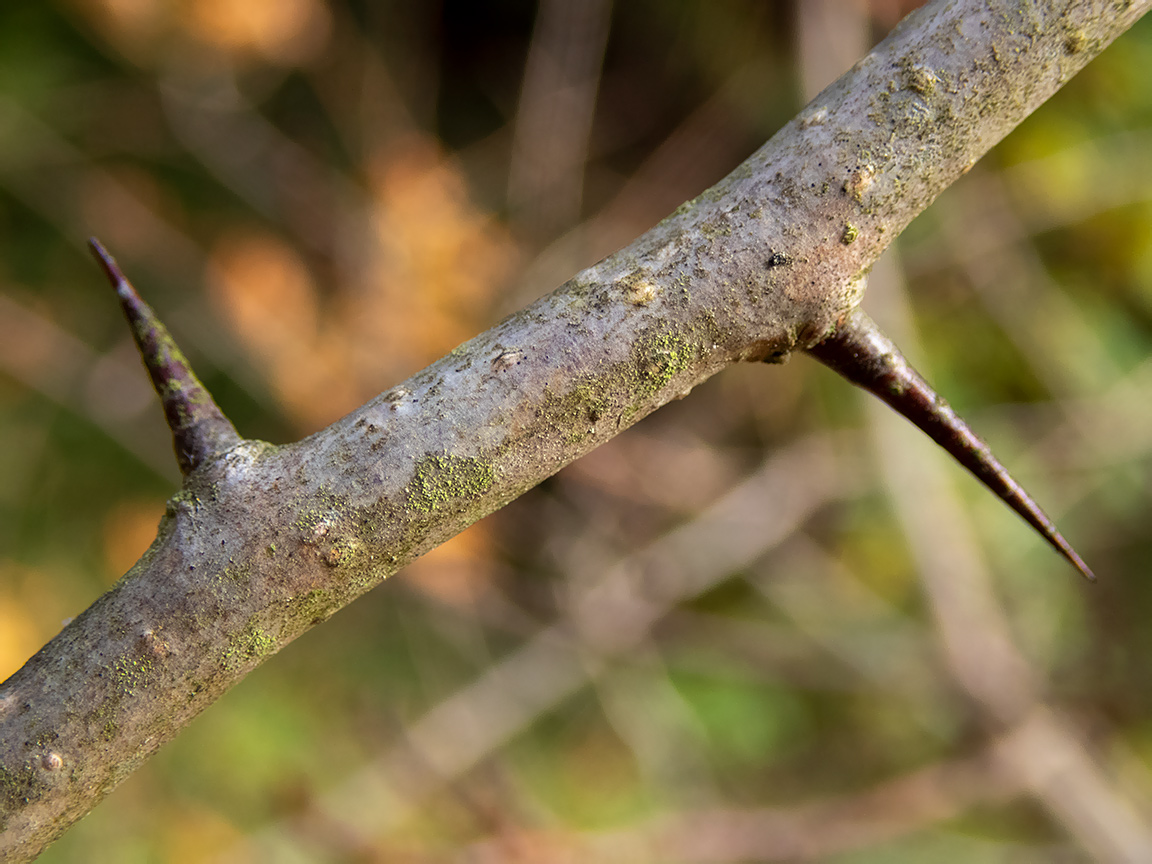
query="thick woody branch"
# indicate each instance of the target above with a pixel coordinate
(264, 542)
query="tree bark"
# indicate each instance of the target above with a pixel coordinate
(264, 542)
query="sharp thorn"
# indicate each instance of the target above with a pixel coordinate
(200, 431)
(860, 352)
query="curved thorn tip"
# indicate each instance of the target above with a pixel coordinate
(200, 431)
(859, 351)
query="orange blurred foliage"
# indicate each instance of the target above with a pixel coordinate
(429, 277)
(280, 32)
(437, 266)
(129, 529)
(455, 572)
(284, 32)
(266, 294)
(32, 610)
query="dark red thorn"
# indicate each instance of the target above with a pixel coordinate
(200, 431)
(861, 352)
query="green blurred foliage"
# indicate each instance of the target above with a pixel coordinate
(315, 196)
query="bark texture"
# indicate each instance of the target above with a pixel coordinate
(264, 542)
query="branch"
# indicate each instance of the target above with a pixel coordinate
(264, 542)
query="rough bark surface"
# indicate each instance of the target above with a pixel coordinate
(265, 542)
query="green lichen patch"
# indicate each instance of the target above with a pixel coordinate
(314, 606)
(662, 357)
(684, 208)
(234, 581)
(316, 520)
(312, 521)
(132, 674)
(253, 643)
(340, 553)
(849, 234)
(237, 573)
(440, 480)
(1075, 41)
(589, 402)
(716, 227)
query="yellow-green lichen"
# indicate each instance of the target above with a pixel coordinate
(315, 522)
(441, 479)
(310, 519)
(192, 395)
(314, 606)
(663, 357)
(132, 674)
(340, 552)
(236, 573)
(849, 235)
(252, 644)
(716, 227)
(234, 582)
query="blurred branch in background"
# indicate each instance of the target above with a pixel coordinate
(52, 362)
(977, 643)
(649, 658)
(554, 120)
(607, 619)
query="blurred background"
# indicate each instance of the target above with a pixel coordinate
(769, 623)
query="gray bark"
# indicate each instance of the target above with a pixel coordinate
(264, 542)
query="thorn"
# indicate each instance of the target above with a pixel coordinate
(860, 352)
(200, 431)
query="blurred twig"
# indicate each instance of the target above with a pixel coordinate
(108, 391)
(554, 120)
(978, 645)
(607, 620)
